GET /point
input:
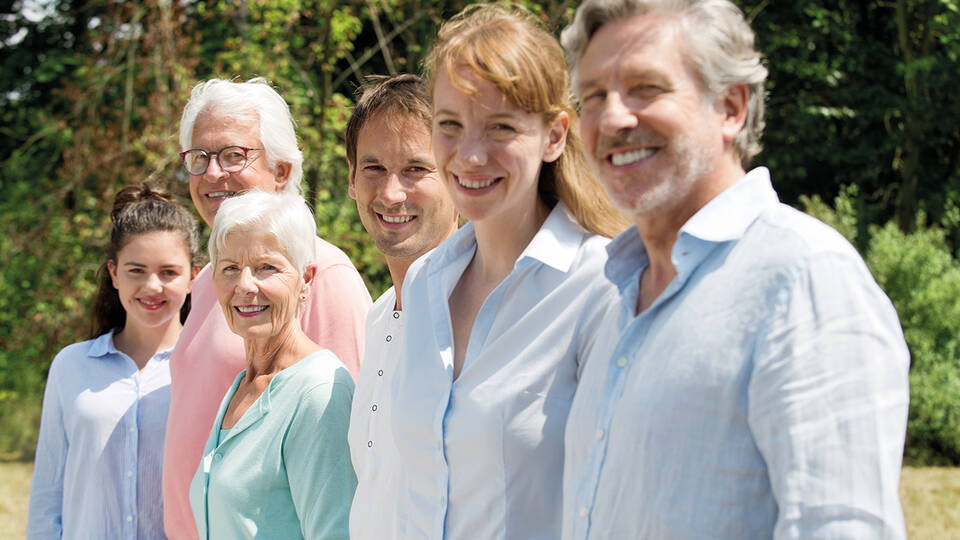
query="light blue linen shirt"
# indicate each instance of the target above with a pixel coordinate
(482, 457)
(763, 394)
(97, 469)
(283, 470)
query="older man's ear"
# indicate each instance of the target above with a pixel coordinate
(734, 105)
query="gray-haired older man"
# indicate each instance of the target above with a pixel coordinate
(237, 136)
(755, 382)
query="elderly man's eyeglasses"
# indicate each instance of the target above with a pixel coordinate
(230, 158)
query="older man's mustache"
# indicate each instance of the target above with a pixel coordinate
(634, 137)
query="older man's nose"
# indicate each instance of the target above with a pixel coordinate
(616, 116)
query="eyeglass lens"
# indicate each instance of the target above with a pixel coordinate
(230, 159)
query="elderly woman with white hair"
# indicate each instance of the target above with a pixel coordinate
(276, 464)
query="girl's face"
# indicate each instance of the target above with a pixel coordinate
(153, 275)
(489, 151)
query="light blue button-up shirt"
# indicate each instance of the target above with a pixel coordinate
(482, 457)
(763, 394)
(283, 470)
(100, 447)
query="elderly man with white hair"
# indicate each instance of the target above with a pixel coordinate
(754, 378)
(237, 136)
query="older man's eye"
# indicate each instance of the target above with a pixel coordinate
(593, 96)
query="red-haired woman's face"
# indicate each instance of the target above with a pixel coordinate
(489, 151)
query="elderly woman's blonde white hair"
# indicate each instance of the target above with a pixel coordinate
(283, 215)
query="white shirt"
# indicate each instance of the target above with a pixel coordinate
(100, 448)
(374, 454)
(764, 393)
(482, 456)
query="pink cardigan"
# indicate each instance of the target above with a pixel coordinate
(208, 357)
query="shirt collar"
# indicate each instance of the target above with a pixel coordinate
(728, 215)
(724, 218)
(626, 256)
(556, 243)
(103, 345)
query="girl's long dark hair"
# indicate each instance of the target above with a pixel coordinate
(138, 210)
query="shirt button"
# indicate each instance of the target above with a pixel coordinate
(374, 407)
(622, 361)
(218, 456)
(599, 434)
(389, 339)
(396, 315)
(129, 474)
(584, 512)
(380, 372)
(129, 518)
(133, 430)
(369, 444)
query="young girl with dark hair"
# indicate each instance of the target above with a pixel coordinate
(100, 448)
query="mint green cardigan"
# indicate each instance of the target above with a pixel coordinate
(283, 471)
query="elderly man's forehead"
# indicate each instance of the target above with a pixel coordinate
(632, 35)
(216, 117)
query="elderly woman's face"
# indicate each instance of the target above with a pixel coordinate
(258, 287)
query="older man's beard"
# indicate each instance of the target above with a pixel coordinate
(687, 162)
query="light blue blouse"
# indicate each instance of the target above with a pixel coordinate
(482, 457)
(764, 393)
(100, 447)
(283, 471)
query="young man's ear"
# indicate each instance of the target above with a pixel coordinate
(352, 188)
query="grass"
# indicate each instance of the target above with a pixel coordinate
(14, 497)
(930, 495)
(931, 502)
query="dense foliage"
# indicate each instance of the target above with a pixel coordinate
(862, 108)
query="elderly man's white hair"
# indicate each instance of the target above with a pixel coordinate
(719, 45)
(283, 215)
(256, 101)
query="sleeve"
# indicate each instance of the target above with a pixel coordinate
(336, 313)
(45, 514)
(828, 398)
(317, 459)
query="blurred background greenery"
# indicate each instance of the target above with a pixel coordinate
(863, 132)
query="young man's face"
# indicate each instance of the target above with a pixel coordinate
(400, 198)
